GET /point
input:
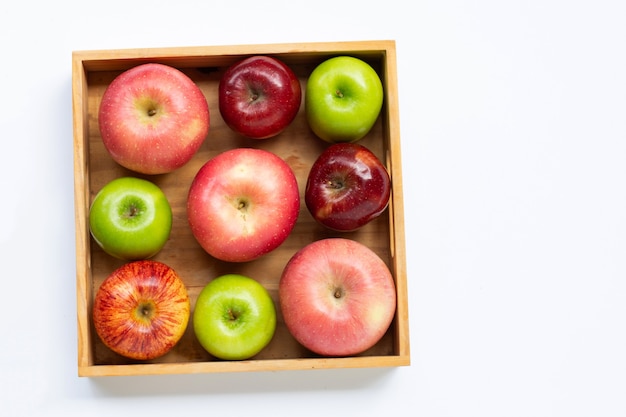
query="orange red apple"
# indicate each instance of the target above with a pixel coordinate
(141, 310)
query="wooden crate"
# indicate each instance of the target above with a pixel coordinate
(92, 71)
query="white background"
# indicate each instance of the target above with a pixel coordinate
(513, 125)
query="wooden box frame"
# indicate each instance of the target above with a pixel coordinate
(91, 73)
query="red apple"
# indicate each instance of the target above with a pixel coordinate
(347, 187)
(259, 96)
(141, 310)
(243, 203)
(337, 297)
(153, 118)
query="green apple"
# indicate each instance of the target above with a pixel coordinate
(344, 96)
(130, 218)
(234, 317)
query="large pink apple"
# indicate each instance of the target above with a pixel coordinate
(242, 204)
(337, 297)
(153, 118)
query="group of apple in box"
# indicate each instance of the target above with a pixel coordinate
(234, 317)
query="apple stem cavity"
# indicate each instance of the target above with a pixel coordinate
(338, 293)
(150, 106)
(133, 211)
(335, 184)
(145, 311)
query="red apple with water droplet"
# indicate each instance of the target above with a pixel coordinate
(347, 187)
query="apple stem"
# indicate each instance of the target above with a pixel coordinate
(334, 184)
(339, 93)
(338, 293)
(132, 212)
(145, 311)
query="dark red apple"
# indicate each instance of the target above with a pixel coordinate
(347, 187)
(259, 96)
(141, 310)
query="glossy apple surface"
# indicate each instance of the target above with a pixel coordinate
(130, 218)
(234, 317)
(347, 187)
(242, 204)
(141, 310)
(337, 297)
(259, 97)
(153, 118)
(343, 98)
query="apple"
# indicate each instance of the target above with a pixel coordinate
(259, 96)
(130, 218)
(344, 96)
(337, 297)
(347, 187)
(242, 204)
(141, 310)
(153, 118)
(234, 317)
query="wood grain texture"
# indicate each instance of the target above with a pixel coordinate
(93, 168)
